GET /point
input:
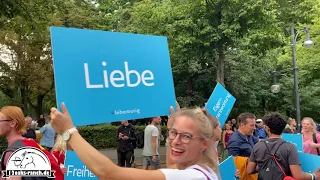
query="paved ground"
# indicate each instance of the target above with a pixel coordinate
(112, 154)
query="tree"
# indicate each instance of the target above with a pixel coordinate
(28, 77)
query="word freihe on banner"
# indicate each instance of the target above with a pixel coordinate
(106, 77)
(76, 169)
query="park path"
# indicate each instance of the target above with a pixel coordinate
(112, 154)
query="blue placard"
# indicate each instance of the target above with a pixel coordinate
(107, 76)
(75, 168)
(309, 162)
(227, 169)
(295, 139)
(220, 103)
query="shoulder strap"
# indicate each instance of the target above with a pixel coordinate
(202, 172)
(314, 136)
(3, 158)
(279, 147)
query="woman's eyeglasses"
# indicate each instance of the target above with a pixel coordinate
(183, 137)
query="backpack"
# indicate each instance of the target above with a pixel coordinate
(314, 137)
(140, 139)
(272, 169)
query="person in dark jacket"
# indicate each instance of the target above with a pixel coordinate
(126, 142)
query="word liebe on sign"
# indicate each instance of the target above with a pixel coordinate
(107, 76)
(220, 103)
(295, 139)
(76, 169)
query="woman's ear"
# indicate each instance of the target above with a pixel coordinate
(207, 144)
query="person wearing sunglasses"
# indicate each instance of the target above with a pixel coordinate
(13, 126)
(190, 139)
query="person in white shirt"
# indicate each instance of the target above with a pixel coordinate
(190, 139)
(151, 145)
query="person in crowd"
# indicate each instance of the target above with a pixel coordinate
(241, 143)
(291, 126)
(126, 140)
(59, 152)
(30, 133)
(260, 132)
(12, 126)
(41, 121)
(286, 154)
(151, 145)
(216, 133)
(189, 139)
(48, 135)
(226, 135)
(234, 124)
(161, 137)
(311, 139)
(215, 138)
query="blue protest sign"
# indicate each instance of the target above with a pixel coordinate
(295, 139)
(309, 162)
(107, 76)
(76, 169)
(227, 169)
(220, 103)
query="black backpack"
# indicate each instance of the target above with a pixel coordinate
(140, 139)
(271, 168)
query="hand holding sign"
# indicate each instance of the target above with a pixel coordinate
(61, 121)
(169, 124)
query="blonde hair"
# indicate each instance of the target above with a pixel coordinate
(206, 125)
(290, 120)
(60, 144)
(15, 113)
(313, 124)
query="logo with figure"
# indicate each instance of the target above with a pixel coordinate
(28, 162)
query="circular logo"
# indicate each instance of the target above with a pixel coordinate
(28, 162)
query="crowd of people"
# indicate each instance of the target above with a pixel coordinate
(250, 141)
(19, 132)
(256, 145)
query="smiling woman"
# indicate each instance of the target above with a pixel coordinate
(190, 139)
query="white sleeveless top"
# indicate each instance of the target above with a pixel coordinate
(190, 173)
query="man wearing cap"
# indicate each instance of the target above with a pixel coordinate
(260, 132)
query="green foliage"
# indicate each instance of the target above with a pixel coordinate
(99, 136)
(238, 43)
(105, 136)
(308, 64)
(4, 100)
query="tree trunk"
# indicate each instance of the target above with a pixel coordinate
(39, 105)
(24, 102)
(220, 64)
(190, 90)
